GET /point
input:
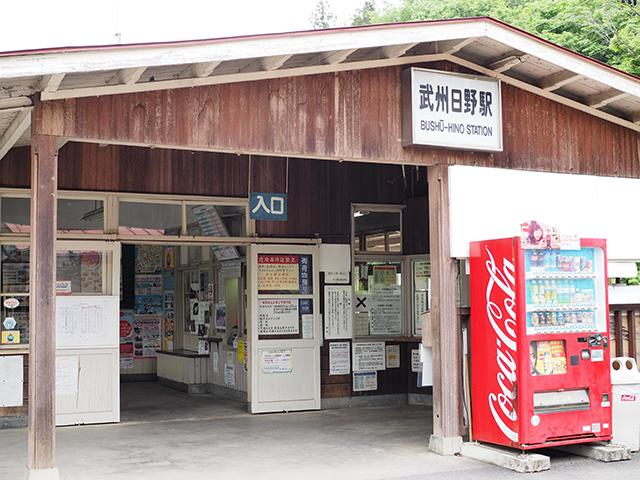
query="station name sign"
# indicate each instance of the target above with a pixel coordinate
(451, 110)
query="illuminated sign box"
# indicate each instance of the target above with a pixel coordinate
(451, 110)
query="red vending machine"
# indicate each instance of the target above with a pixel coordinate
(539, 343)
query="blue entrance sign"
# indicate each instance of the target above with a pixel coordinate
(268, 206)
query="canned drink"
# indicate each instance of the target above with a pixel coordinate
(583, 264)
(588, 265)
(560, 318)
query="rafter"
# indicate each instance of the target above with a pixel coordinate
(599, 100)
(20, 124)
(558, 80)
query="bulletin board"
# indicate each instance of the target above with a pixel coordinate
(87, 322)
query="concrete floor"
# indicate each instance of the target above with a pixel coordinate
(165, 434)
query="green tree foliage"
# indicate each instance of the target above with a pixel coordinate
(365, 15)
(605, 30)
(322, 16)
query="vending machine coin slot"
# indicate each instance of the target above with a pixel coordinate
(595, 340)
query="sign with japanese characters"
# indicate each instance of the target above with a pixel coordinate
(278, 317)
(268, 206)
(451, 110)
(284, 274)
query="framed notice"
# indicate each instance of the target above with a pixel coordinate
(284, 274)
(278, 316)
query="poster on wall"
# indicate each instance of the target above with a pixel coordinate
(91, 272)
(337, 312)
(148, 305)
(169, 260)
(276, 361)
(126, 339)
(146, 337)
(278, 316)
(168, 320)
(148, 285)
(148, 259)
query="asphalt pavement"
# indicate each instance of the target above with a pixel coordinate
(165, 434)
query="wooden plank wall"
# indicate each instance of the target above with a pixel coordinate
(344, 115)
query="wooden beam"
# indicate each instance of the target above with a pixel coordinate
(42, 334)
(273, 63)
(127, 76)
(558, 80)
(449, 47)
(507, 63)
(446, 333)
(20, 124)
(599, 100)
(51, 83)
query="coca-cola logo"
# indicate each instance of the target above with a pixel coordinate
(501, 305)
(628, 398)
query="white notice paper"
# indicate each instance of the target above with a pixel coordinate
(67, 375)
(337, 312)
(393, 356)
(339, 358)
(368, 356)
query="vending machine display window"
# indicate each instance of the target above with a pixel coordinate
(561, 291)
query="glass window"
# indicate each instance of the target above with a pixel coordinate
(80, 216)
(14, 319)
(218, 220)
(421, 284)
(15, 214)
(154, 219)
(377, 231)
(83, 272)
(378, 302)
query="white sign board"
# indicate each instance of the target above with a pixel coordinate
(278, 316)
(451, 110)
(368, 356)
(337, 312)
(11, 380)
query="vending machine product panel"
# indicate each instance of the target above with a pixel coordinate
(539, 344)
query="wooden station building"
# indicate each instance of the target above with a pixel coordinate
(276, 218)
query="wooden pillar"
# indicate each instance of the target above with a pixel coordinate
(42, 333)
(631, 327)
(446, 334)
(617, 316)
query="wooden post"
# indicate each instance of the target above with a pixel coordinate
(631, 327)
(447, 341)
(42, 333)
(617, 315)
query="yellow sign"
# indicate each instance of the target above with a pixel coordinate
(10, 336)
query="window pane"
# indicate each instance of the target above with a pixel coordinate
(15, 214)
(80, 216)
(14, 317)
(150, 219)
(377, 231)
(380, 284)
(82, 272)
